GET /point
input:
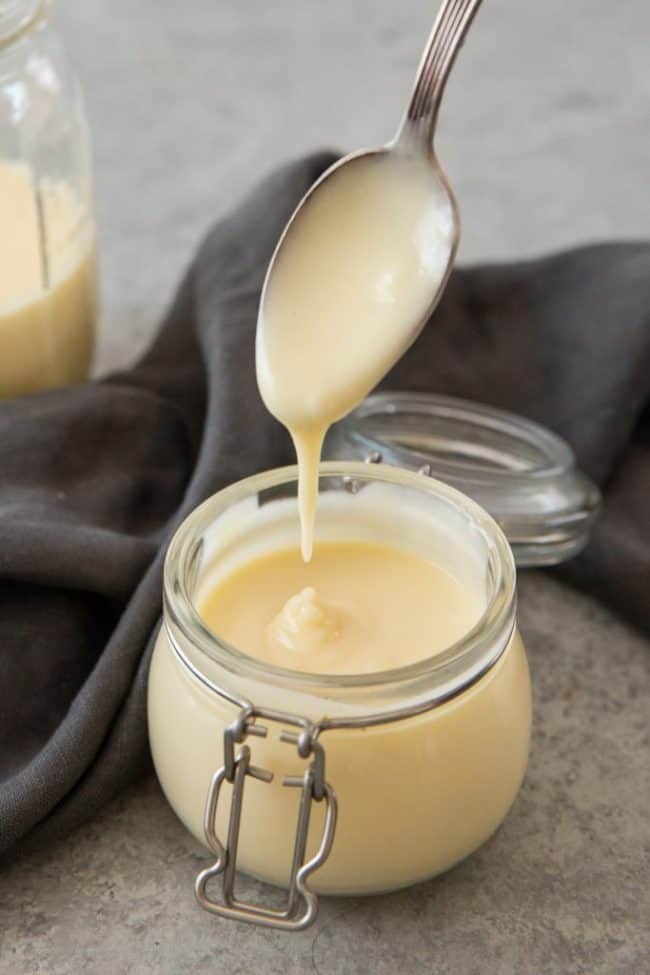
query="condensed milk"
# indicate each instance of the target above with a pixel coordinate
(346, 295)
(47, 284)
(356, 608)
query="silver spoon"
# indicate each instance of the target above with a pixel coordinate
(335, 312)
(417, 128)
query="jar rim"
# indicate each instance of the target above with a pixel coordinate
(20, 17)
(444, 673)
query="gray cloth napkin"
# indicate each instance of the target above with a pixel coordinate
(94, 480)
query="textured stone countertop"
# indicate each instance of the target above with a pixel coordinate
(545, 136)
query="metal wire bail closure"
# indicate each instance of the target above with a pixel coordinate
(302, 904)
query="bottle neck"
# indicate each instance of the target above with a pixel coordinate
(19, 17)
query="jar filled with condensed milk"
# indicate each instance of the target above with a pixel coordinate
(352, 784)
(48, 293)
(364, 782)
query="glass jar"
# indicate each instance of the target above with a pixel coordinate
(47, 233)
(421, 763)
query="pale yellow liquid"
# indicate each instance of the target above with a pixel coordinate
(346, 296)
(415, 796)
(47, 285)
(357, 607)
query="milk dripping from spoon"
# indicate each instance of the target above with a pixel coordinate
(358, 270)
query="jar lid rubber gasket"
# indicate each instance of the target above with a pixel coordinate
(522, 474)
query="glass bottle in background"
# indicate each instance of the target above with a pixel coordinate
(48, 288)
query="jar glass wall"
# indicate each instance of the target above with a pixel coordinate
(48, 293)
(416, 793)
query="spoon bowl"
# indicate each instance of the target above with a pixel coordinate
(405, 146)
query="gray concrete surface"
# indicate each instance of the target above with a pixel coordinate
(545, 136)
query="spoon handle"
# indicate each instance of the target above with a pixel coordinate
(448, 33)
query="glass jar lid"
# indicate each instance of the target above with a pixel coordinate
(522, 474)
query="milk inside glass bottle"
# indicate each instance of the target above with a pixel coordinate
(47, 235)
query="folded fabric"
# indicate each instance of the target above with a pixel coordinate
(94, 480)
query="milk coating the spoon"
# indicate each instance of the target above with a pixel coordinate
(346, 294)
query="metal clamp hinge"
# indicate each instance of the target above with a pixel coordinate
(302, 904)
